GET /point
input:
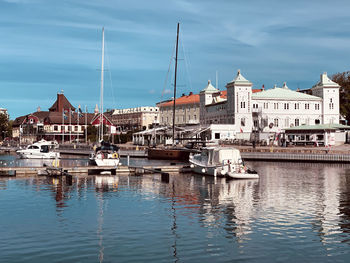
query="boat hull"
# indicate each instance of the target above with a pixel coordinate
(168, 154)
(38, 155)
(243, 175)
(107, 162)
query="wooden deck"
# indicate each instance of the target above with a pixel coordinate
(33, 171)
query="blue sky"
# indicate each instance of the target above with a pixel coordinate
(47, 46)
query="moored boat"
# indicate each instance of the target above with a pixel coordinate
(106, 155)
(221, 161)
(168, 153)
(40, 150)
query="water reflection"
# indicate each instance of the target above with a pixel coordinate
(302, 206)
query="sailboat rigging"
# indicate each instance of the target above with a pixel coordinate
(100, 135)
(106, 154)
(171, 153)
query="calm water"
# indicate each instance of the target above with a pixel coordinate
(294, 213)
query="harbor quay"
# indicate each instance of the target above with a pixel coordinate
(335, 154)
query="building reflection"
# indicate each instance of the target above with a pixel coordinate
(288, 197)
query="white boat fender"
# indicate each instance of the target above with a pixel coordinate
(192, 166)
(203, 170)
(223, 172)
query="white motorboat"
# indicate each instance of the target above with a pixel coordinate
(106, 155)
(221, 161)
(40, 150)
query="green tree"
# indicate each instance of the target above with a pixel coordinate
(343, 79)
(4, 126)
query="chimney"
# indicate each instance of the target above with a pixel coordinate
(191, 93)
(38, 109)
(263, 87)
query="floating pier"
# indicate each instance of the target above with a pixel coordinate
(91, 170)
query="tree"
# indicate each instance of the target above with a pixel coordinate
(4, 126)
(343, 79)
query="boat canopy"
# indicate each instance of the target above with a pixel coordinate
(106, 146)
(222, 154)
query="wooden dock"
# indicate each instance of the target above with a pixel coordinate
(93, 170)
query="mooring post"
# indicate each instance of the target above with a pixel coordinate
(128, 159)
(165, 177)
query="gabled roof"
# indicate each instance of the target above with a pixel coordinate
(48, 117)
(61, 104)
(209, 88)
(283, 93)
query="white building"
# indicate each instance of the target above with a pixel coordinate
(135, 118)
(277, 107)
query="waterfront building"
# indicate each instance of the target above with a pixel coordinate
(60, 123)
(186, 110)
(278, 107)
(138, 118)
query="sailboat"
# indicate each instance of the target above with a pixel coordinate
(172, 152)
(106, 154)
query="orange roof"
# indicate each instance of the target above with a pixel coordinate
(223, 94)
(194, 98)
(189, 99)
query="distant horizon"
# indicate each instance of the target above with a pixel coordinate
(54, 46)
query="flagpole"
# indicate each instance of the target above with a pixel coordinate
(70, 125)
(78, 123)
(85, 124)
(62, 126)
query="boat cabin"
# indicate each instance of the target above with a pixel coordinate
(219, 155)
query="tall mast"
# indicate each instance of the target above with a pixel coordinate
(177, 44)
(101, 91)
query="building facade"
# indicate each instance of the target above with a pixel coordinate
(60, 123)
(186, 110)
(139, 118)
(281, 108)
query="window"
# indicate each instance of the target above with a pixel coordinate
(296, 122)
(55, 128)
(76, 128)
(286, 122)
(62, 128)
(307, 106)
(275, 122)
(243, 122)
(275, 106)
(195, 117)
(317, 121)
(317, 106)
(286, 106)
(217, 135)
(256, 123)
(266, 105)
(296, 106)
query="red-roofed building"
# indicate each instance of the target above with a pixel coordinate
(186, 110)
(60, 123)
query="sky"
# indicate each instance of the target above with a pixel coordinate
(50, 46)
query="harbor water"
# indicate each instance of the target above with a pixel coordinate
(295, 212)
